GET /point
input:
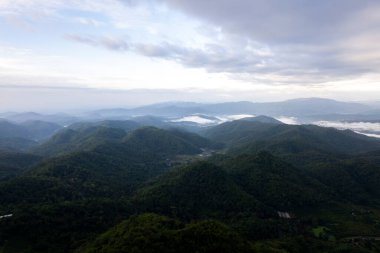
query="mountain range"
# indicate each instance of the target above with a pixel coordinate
(250, 185)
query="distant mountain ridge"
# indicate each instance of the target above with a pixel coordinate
(18, 137)
(294, 107)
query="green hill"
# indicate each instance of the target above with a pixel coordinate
(167, 142)
(247, 183)
(199, 190)
(85, 139)
(154, 233)
(113, 165)
(12, 163)
(268, 136)
(276, 183)
(320, 177)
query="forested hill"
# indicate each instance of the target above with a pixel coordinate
(272, 188)
(90, 137)
(240, 133)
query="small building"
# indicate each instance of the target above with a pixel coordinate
(6, 216)
(284, 215)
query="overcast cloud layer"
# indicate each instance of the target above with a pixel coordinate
(273, 41)
(249, 45)
(312, 39)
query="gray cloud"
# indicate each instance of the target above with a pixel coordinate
(247, 61)
(106, 42)
(274, 21)
(274, 41)
(214, 57)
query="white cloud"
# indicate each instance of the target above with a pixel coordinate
(367, 128)
(196, 119)
(289, 120)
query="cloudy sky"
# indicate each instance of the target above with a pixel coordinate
(212, 50)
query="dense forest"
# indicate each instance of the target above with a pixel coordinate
(250, 185)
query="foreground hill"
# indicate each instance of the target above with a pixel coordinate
(245, 184)
(318, 190)
(154, 233)
(200, 190)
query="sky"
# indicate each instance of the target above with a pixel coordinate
(93, 53)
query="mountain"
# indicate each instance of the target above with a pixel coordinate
(167, 142)
(195, 191)
(83, 139)
(79, 177)
(313, 106)
(263, 119)
(235, 131)
(99, 162)
(245, 184)
(276, 183)
(10, 130)
(358, 175)
(149, 120)
(325, 153)
(170, 141)
(296, 107)
(59, 118)
(20, 137)
(67, 202)
(368, 116)
(269, 136)
(127, 125)
(275, 188)
(162, 110)
(40, 130)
